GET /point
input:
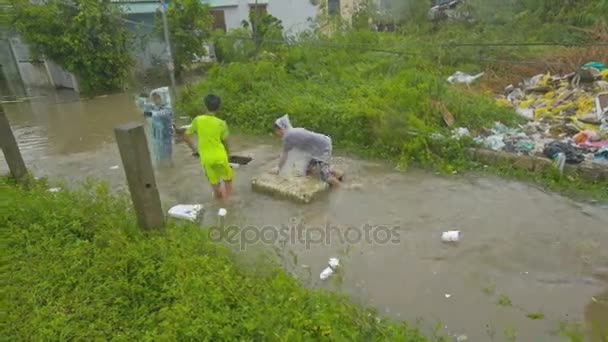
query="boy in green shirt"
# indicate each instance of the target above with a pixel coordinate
(212, 133)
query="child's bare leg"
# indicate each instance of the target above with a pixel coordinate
(228, 189)
(217, 191)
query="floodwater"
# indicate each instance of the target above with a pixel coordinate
(524, 253)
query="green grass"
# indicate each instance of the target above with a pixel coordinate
(76, 267)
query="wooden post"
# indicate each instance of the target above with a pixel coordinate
(138, 168)
(11, 149)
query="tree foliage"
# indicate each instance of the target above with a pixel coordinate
(85, 37)
(190, 23)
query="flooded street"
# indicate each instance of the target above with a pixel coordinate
(528, 260)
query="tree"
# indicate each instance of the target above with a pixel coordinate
(190, 24)
(85, 37)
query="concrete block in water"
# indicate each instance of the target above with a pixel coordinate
(300, 189)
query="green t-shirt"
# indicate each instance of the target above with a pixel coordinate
(211, 132)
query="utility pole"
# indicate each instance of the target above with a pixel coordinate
(170, 64)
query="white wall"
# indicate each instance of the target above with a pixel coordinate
(295, 14)
(236, 14)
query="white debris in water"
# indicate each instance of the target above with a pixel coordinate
(451, 236)
(188, 212)
(331, 268)
(115, 167)
(447, 295)
(462, 338)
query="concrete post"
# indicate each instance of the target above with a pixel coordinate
(135, 156)
(11, 149)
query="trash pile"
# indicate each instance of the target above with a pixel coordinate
(567, 114)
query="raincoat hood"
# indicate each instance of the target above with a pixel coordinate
(283, 122)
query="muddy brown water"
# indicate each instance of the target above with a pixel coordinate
(540, 252)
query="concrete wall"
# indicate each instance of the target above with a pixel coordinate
(33, 73)
(11, 80)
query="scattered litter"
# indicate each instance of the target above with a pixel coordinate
(461, 77)
(573, 156)
(527, 113)
(451, 236)
(461, 132)
(188, 212)
(462, 338)
(437, 136)
(54, 190)
(493, 142)
(115, 167)
(447, 295)
(560, 161)
(222, 212)
(331, 268)
(567, 113)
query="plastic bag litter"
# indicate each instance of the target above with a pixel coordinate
(461, 77)
(573, 156)
(460, 132)
(330, 269)
(494, 142)
(451, 236)
(188, 212)
(527, 113)
(54, 190)
(560, 161)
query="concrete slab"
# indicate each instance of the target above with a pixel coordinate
(300, 189)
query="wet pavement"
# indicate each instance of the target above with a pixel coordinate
(523, 253)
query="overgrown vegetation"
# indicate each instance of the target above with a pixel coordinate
(382, 93)
(76, 267)
(85, 37)
(189, 24)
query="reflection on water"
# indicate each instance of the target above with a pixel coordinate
(539, 250)
(56, 124)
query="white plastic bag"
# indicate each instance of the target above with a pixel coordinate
(331, 269)
(188, 212)
(451, 236)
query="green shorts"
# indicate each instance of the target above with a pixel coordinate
(218, 171)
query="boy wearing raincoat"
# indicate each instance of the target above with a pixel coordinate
(212, 134)
(317, 147)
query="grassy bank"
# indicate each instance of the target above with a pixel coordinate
(75, 267)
